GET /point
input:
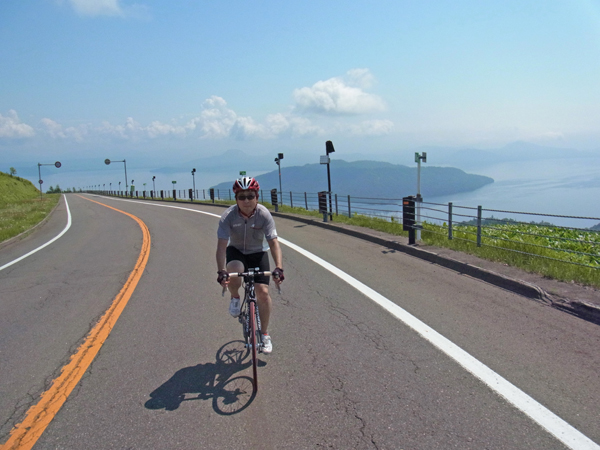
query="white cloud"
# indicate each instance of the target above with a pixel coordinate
(12, 127)
(340, 95)
(246, 128)
(133, 130)
(157, 128)
(108, 8)
(97, 7)
(54, 129)
(216, 119)
(291, 126)
(362, 78)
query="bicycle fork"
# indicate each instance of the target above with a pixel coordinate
(248, 328)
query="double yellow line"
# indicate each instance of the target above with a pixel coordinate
(38, 417)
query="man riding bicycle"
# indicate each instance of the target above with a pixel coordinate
(242, 231)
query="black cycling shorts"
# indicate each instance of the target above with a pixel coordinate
(252, 260)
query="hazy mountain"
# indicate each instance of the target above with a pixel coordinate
(371, 179)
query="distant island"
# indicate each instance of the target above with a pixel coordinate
(370, 179)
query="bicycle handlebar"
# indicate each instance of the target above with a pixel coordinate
(244, 274)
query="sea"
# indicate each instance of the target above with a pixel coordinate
(557, 187)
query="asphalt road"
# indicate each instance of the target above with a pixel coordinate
(344, 372)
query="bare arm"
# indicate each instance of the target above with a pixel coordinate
(221, 254)
(276, 252)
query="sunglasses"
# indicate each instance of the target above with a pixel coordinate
(246, 197)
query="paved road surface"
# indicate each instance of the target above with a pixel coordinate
(344, 372)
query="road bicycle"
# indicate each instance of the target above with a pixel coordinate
(250, 318)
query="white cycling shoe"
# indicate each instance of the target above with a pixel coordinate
(267, 344)
(234, 306)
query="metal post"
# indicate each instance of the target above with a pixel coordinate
(479, 226)
(418, 159)
(419, 201)
(40, 179)
(291, 200)
(349, 211)
(194, 182)
(280, 191)
(450, 221)
(329, 186)
(336, 205)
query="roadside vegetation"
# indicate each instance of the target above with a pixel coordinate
(20, 205)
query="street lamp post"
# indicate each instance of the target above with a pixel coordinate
(278, 162)
(108, 161)
(329, 149)
(57, 164)
(419, 199)
(154, 185)
(194, 182)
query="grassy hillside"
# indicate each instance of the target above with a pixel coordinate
(20, 206)
(15, 189)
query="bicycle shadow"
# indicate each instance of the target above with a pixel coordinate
(216, 381)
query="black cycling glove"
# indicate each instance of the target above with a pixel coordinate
(278, 274)
(223, 276)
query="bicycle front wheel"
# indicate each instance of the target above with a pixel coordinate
(253, 345)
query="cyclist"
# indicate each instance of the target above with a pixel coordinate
(242, 232)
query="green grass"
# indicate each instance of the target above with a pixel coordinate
(20, 206)
(509, 243)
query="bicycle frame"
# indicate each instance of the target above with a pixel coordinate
(250, 318)
(249, 303)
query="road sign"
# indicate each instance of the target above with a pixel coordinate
(325, 159)
(174, 182)
(57, 164)
(41, 181)
(242, 172)
(107, 161)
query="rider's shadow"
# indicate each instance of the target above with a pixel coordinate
(216, 381)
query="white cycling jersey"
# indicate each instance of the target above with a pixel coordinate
(247, 234)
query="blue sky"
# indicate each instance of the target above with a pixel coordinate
(158, 79)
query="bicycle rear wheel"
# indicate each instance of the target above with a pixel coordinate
(253, 345)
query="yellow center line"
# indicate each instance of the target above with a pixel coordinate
(25, 434)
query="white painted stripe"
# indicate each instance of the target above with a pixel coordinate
(553, 424)
(47, 243)
(556, 426)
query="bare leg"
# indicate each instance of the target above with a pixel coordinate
(264, 305)
(236, 282)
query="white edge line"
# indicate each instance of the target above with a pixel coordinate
(47, 243)
(559, 428)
